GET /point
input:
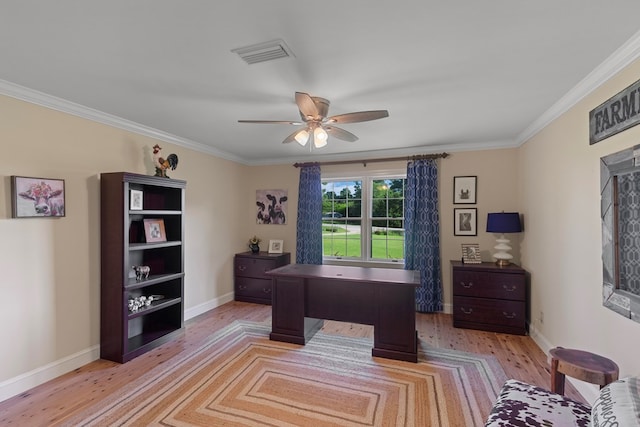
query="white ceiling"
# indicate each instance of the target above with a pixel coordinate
(454, 75)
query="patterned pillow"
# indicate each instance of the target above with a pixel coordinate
(618, 404)
(522, 404)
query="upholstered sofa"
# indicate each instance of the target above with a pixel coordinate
(522, 404)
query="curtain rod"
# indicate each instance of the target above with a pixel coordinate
(364, 162)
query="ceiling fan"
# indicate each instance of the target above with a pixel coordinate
(315, 123)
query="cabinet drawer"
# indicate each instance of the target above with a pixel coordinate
(248, 267)
(489, 285)
(488, 311)
(251, 287)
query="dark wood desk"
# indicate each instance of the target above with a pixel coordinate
(304, 295)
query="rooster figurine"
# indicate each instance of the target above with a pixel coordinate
(163, 164)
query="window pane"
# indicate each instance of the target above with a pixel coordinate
(354, 208)
(379, 208)
(395, 208)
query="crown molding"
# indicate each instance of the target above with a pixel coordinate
(52, 102)
(616, 62)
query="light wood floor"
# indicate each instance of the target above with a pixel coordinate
(61, 398)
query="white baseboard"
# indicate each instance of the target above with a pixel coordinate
(16, 385)
(28, 380)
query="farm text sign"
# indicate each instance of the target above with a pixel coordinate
(618, 113)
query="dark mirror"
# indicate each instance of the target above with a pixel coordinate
(620, 212)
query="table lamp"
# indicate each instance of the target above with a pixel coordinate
(503, 222)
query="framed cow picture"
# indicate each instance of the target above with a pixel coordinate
(37, 197)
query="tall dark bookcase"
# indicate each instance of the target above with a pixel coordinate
(125, 333)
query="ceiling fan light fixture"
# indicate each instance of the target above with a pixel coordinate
(320, 137)
(302, 137)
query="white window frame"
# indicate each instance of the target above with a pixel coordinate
(365, 238)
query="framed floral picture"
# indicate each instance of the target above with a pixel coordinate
(37, 197)
(465, 222)
(464, 190)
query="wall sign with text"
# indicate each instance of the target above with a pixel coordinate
(616, 114)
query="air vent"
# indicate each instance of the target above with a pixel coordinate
(263, 52)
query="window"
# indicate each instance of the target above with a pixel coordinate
(363, 218)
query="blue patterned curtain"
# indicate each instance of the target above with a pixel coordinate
(309, 226)
(422, 227)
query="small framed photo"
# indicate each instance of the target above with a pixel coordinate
(37, 197)
(464, 190)
(135, 200)
(275, 246)
(465, 222)
(471, 253)
(154, 230)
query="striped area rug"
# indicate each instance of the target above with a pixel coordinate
(241, 378)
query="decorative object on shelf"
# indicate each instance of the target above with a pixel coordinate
(465, 221)
(37, 197)
(272, 206)
(142, 271)
(135, 200)
(142, 301)
(503, 222)
(464, 190)
(471, 253)
(161, 163)
(154, 230)
(254, 244)
(275, 246)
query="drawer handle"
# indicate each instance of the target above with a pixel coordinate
(266, 290)
(465, 311)
(509, 316)
(242, 267)
(511, 289)
(466, 285)
(242, 287)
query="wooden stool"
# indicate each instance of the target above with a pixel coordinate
(581, 365)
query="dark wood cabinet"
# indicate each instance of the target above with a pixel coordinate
(250, 282)
(489, 297)
(125, 332)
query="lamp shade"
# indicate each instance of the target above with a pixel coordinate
(504, 222)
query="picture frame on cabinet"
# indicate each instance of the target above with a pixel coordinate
(471, 253)
(135, 200)
(465, 222)
(37, 197)
(154, 230)
(275, 246)
(464, 190)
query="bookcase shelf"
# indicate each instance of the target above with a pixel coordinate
(125, 334)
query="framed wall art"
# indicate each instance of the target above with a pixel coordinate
(272, 206)
(135, 200)
(471, 253)
(464, 190)
(465, 222)
(275, 246)
(37, 197)
(154, 230)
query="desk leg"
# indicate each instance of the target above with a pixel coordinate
(288, 323)
(394, 330)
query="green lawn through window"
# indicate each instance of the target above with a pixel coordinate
(348, 245)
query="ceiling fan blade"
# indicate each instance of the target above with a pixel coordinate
(269, 122)
(291, 137)
(340, 133)
(360, 116)
(306, 105)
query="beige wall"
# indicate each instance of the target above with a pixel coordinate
(50, 268)
(559, 188)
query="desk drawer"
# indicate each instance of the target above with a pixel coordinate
(255, 288)
(249, 267)
(489, 285)
(489, 311)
